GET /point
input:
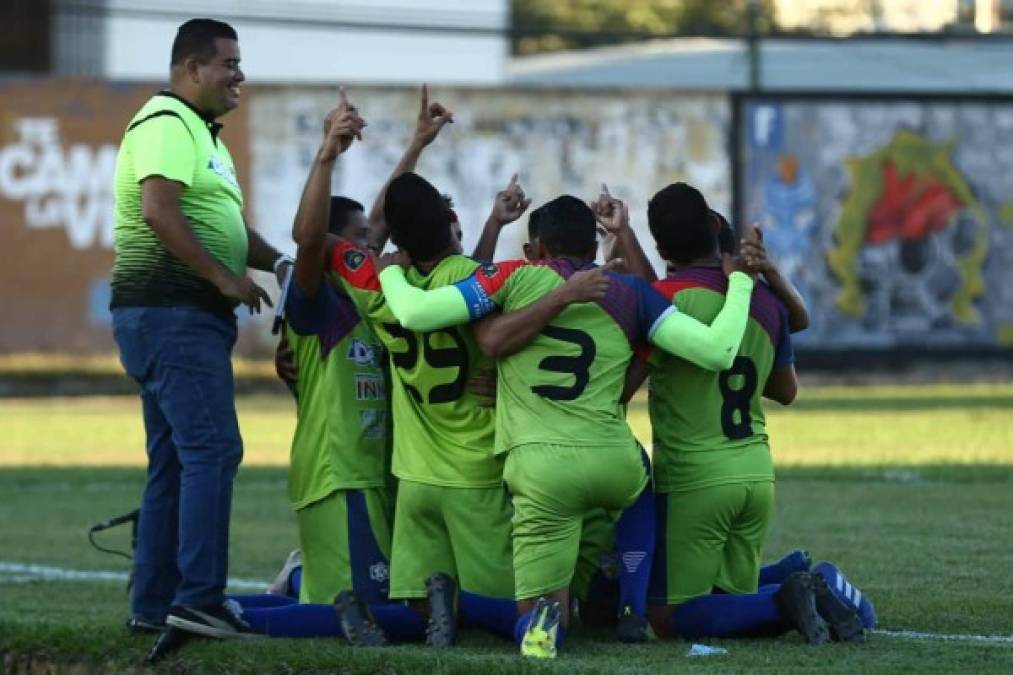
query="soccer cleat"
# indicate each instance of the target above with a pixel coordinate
(797, 602)
(170, 640)
(539, 639)
(137, 625)
(224, 620)
(632, 627)
(282, 582)
(798, 560)
(842, 619)
(357, 622)
(848, 594)
(441, 631)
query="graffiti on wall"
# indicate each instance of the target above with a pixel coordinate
(58, 144)
(62, 186)
(892, 217)
(559, 142)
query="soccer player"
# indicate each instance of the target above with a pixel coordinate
(337, 482)
(568, 447)
(713, 470)
(451, 513)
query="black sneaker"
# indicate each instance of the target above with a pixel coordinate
(442, 629)
(224, 620)
(170, 640)
(797, 602)
(844, 622)
(137, 625)
(357, 621)
(631, 627)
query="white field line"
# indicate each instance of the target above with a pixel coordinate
(955, 637)
(11, 572)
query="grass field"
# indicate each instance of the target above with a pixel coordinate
(910, 490)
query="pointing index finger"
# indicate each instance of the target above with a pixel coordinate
(424, 99)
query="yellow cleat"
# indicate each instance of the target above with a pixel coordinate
(540, 638)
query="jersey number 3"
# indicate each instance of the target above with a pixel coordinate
(736, 422)
(579, 366)
(435, 357)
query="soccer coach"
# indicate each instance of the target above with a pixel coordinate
(182, 249)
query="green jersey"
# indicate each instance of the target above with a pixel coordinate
(169, 138)
(442, 436)
(564, 387)
(340, 439)
(709, 427)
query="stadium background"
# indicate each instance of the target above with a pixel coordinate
(921, 263)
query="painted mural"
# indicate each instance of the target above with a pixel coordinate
(893, 217)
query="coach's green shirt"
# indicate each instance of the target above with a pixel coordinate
(709, 427)
(169, 138)
(441, 435)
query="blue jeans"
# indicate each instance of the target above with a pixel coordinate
(181, 358)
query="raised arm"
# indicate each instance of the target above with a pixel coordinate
(613, 215)
(712, 347)
(501, 335)
(309, 230)
(432, 117)
(755, 254)
(510, 204)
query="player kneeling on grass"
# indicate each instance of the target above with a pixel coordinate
(713, 467)
(558, 415)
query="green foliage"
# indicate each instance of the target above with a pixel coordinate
(548, 25)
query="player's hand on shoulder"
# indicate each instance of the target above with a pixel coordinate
(342, 126)
(385, 260)
(510, 204)
(591, 284)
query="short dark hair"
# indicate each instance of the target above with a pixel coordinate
(566, 226)
(417, 216)
(341, 210)
(196, 38)
(727, 242)
(679, 219)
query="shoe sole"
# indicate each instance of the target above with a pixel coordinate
(169, 641)
(363, 632)
(442, 619)
(800, 608)
(198, 628)
(844, 622)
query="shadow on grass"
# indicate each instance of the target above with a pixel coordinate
(900, 403)
(257, 478)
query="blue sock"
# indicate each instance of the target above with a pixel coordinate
(496, 615)
(400, 622)
(728, 615)
(295, 621)
(260, 600)
(635, 533)
(295, 582)
(776, 573)
(521, 627)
